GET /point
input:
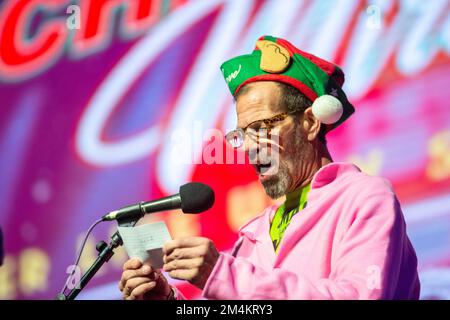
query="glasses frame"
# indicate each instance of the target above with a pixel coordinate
(268, 122)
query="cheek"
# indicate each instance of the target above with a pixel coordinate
(291, 151)
(286, 143)
(278, 148)
(288, 136)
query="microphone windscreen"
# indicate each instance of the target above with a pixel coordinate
(196, 197)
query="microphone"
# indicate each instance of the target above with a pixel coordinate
(194, 197)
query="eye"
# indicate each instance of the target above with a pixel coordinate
(260, 126)
(255, 126)
(264, 127)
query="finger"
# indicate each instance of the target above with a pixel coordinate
(184, 264)
(185, 253)
(134, 263)
(125, 292)
(185, 242)
(128, 274)
(134, 283)
(139, 291)
(129, 286)
(183, 274)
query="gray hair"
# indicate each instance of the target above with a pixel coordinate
(294, 101)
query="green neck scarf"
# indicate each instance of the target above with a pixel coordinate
(295, 202)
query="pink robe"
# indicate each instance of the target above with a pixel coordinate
(350, 242)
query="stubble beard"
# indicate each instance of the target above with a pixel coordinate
(278, 185)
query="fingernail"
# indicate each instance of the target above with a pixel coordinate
(152, 276)
(146, 269)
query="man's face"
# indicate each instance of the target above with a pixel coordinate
(279, 158)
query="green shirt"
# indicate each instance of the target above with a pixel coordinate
(295, 201)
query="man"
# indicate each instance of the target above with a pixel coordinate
(340, 234)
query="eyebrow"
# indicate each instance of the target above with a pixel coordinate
(257, 120)
(237, 127)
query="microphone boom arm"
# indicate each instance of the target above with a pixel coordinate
(105, 252)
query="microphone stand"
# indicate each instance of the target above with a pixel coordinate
(105, 252)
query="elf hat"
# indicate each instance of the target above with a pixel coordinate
(275, 59)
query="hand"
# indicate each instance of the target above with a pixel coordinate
(191, 259)
(142, 282)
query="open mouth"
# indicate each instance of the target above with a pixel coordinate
(264, 169)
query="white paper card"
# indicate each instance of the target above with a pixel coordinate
(145, 242)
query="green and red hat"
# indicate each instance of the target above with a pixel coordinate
(275, 59)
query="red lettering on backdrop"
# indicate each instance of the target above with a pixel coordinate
(141, 15)
(19, 58)
(174, 4)
(96, 21)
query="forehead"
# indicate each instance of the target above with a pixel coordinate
(258, 99)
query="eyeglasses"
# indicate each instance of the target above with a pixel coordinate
(256, 129)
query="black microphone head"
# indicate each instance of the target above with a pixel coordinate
(196, 197)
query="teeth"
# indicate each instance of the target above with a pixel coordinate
(264, 170)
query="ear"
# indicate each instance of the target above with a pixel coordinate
(311, 124)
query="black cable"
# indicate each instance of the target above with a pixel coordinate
(79, 254)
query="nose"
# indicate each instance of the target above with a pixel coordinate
(251, 149)
(257, 150)
(247, 144)
(263, 149)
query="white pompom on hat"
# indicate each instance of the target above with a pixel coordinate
(327, 109)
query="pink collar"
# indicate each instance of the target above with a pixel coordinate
(258, 227)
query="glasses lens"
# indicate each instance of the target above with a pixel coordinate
(235, 138)
(260, 133)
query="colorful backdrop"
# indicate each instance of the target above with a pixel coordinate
(105, 103)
